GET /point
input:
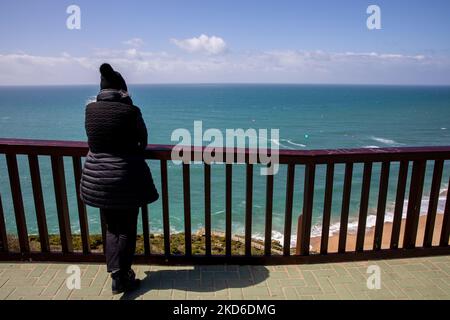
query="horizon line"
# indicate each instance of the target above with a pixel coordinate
(236, 83)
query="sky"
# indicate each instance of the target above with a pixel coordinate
(226, 41)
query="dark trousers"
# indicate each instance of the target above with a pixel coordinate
(121, 229)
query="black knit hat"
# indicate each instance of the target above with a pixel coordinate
(111, 79)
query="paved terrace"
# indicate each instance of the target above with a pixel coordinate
(418, 278)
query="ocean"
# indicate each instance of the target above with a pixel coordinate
(308, 117)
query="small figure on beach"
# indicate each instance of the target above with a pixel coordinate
(115, 176)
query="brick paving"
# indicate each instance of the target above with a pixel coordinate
(418, 278)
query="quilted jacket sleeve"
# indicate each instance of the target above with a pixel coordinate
(141, 131)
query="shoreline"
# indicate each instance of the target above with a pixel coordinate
(333, 240)
(238, 240)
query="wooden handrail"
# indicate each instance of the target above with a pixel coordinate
(310, 159)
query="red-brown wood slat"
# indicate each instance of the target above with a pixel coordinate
(399, 203)
(207, 186)
(82, 212)
(165, 207)
(328, 199)
(19, 210)
(381, 207)
(3, 235)
(248, 209)
(433, 203)
(414, 202)
(445, 232)
(146, 230)
(62, 207)
(187, 209)
(268, 218)
(228, 207)
(288, 210)
(308, 198)
(33, 163)
(364, 205)
(345, 207)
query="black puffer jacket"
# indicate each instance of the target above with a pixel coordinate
(115, 174)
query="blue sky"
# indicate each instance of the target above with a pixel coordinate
(288, 41)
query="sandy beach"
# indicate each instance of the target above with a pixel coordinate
(333, 241)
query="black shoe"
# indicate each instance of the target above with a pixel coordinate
(124, 282)
(117, 283)
(130, 281)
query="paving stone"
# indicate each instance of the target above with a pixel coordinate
(29, 291)
(432, 291)
(380, 294)
(329, 296)
(325, 273)
(309, 290)
(292, 282)
(277, 292)
(38, 270)
(6, 291)
(341, 279)
(16, 281)
(309, 278)
(409, 283)
(280, 275)
(3, 281)
(236, 294)
(290, 293)
(325, 285)
(256, 292)
(343, 292)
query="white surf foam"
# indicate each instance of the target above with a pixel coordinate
(385, 141)
(294, 143)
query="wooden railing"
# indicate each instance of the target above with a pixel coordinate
(419, 157)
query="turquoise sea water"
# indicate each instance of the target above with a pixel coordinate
(308, 117)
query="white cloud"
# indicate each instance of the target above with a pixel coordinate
(282, 66)
(134, 43)
(203, 43)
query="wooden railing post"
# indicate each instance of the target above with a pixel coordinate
(345, 207)
(248, 209)
(298, 250)
(187, 209)
(433, 203)
(62, 207)
(146, 230)
(445, 232)
(268, 220)
(288, 209)
(3, 235)
(399, 203)
(228, 207)
(165, 207)
(82, 213)
(363, 207)
(19, 210)
(414, 202)
(207, 186)
(39, 202)
(381, 206)
(308, 197)
(328, 199)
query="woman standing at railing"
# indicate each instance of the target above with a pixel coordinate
(115, 177)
